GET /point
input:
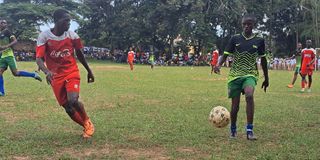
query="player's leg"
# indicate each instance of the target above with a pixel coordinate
(303, 82)
(131, 65)
(234, 91)
(212, 68)
(3, 67)
(294, 78)
(235, 102)
(13, 67)
(248, 87)
(2, 92)
(73, 89)
(309, 80)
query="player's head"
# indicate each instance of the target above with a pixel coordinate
(299, 45)
(308, 43)
(3, 24)
(248, 22)
(62, 19)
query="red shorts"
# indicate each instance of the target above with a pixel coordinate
(62, 85)
(306, 72)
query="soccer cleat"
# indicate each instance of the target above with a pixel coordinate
(309, 90)
(233, 134)
(37, 77)
(88, 129)
(302, 90)
(1, 94)
(290, 86)
(250, 135)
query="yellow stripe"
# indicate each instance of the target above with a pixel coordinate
(225, 52)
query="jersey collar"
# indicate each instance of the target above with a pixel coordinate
(248, 38)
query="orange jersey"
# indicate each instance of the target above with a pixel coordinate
(308, 55)
(214, 58)
(130, 56)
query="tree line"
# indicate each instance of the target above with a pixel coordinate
(119, 24)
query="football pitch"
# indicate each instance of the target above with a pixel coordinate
(157, 114)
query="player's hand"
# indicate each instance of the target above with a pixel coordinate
(90, 77)
(216, 69)
(265, 85)
(49, 77)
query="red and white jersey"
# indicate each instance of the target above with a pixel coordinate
(307, 55)
(130, 56)
(214, 58)
(58, 51)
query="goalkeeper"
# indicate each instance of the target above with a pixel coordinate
(245, 49)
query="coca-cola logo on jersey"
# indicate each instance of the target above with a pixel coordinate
(63, 53)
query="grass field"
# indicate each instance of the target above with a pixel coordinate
(159, 114)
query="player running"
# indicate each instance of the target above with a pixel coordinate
(296, 56)
(57, 46)
(307, 65)
(130, 58)
(243, 75)
(7, 40)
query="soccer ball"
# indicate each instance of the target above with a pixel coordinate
(219, 117)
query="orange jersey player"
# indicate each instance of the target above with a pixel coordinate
(130, 58)
(58, 46)
(214, 59)
(307, 65)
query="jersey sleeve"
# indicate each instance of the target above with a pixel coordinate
(41, 46)
(76, 41)
(262, 49)
(230, 48)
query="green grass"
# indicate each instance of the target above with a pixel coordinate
(159, 114)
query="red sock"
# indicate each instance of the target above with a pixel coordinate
(77, 118)
(303, 84)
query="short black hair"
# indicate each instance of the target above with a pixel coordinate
(58, 14)
(251, 16)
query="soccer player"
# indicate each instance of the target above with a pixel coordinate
(214, 59)
(58, 46)
(307, 65)
(243, 75)
(151, 60)
(296, 56)
(130, 58)
(7, 40)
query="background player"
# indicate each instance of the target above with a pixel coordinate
(130, 58)
(214, 59)
(307, 65)
(57, 47)
(296, 56)
(7, 40)
(243, 75)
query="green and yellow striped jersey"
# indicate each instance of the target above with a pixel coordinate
(245, 52)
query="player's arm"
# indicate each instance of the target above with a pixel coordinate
(228, 50)
(264, 65)
(40, 52)
(80, 56)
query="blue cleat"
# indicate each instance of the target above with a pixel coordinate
(1, 94)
